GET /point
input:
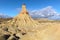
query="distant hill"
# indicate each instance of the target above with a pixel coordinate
(47, 12)
(4, 16)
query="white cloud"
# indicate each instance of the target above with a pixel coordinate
(18, 9)
(44, 12)
(2, 14)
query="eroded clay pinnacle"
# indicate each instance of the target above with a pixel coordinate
(24, 10)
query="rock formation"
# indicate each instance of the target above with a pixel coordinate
(21, 23)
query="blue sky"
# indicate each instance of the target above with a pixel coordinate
(12, 7)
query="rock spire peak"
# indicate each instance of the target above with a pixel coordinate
(24, 8)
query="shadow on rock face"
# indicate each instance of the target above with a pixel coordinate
(4, 37)
(15, 37)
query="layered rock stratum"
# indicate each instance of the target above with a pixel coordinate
(23, 27)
